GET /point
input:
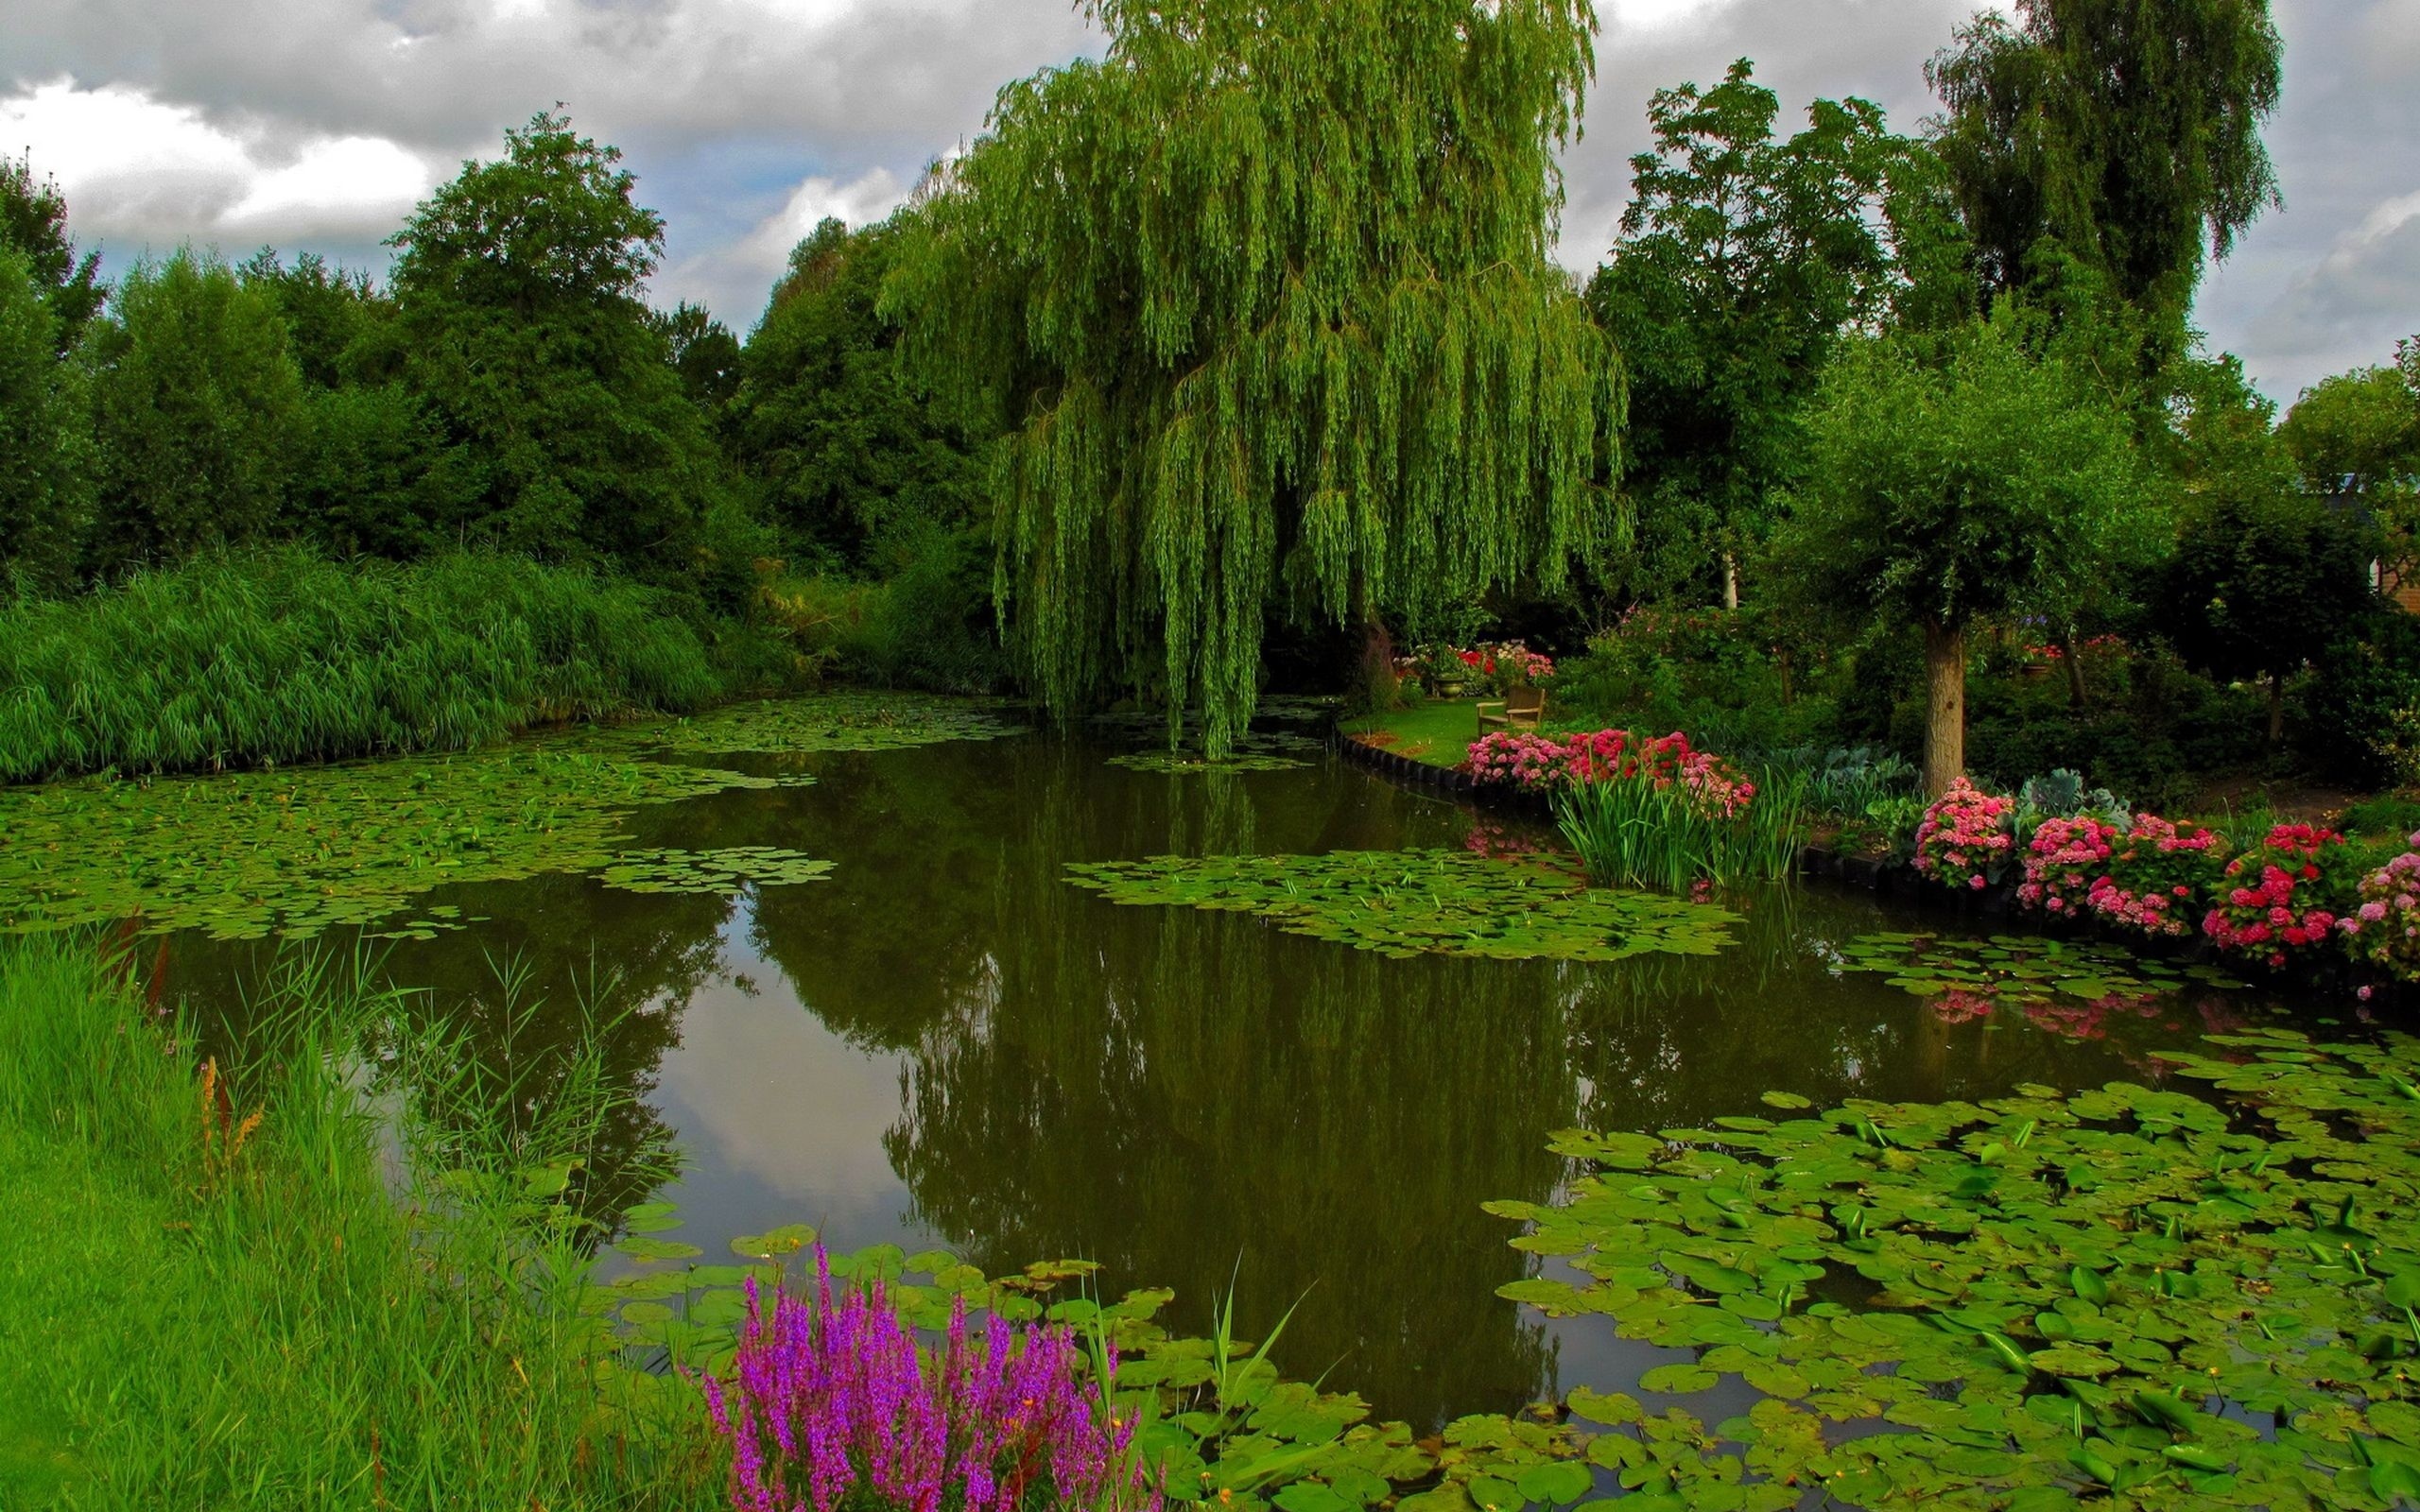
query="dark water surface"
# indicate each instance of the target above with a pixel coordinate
(943, 1044)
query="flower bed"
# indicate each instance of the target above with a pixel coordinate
(1539, 763)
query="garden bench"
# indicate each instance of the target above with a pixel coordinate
(1519, 709)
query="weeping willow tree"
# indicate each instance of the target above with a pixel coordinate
(1260, 308)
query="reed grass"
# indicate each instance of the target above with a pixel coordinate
(211, 1295)
(1631, 832)
(281, 656)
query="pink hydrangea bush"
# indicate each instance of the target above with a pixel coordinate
(2155, 872)
(2278, 897)
(836, 1406)
(1541, 763)
(2385, 926)
(2067, 864)
(1966, 836)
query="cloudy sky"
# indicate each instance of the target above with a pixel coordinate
(239, 123)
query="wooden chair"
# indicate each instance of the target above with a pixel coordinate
(1519, 709)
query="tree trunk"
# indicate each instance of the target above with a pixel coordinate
(2074, 659)
(2277, 709)
(1730, 581)
(1945, 706)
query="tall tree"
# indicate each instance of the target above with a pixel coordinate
(1261, 302)
(1743, 257)
(44, 492)
(703, 351)
(33, 221)
(848, 449)
(1952, 481)
(195, 398)
(2357, 432)
(2127, 133)
(519, 322)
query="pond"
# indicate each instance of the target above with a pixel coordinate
(941, 1041)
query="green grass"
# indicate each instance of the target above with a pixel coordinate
(280, 656)
(196, 1316)
(1436, 731)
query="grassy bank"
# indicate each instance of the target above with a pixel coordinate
(1436, 731)
(282, 656)
(209, 1295)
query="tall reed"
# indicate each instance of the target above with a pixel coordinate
(212, 1294)
(1636, 831)
(280, 656)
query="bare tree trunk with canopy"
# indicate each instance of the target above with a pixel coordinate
(1945, 706)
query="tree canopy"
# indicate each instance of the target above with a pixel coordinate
(1261, 303)
(1743, 257)
(1954, 480)
(519, 322)
(43, 491)
(195, 399)
(2124, 132)
(848, 451)
(33, 221)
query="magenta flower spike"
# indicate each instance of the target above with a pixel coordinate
(831, 1402)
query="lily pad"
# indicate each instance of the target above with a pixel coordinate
(1412, 902)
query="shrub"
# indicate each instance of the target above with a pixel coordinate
(2155, 871)
(1965, 839)
(834, 1405)
(2281, 896)
(2064, 864)
(2385, 928)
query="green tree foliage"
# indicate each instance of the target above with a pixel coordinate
(1261, 300)
(703, 351)
(518, 322)
(372, 472)
(2267, 575)
(43, 483)
(1743, 257)
(33, 221)
(2124, 132)
(849, 453)
(195, 401)
(1952, 481)
(2357, 432)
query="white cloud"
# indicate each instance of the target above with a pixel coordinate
(355, 182)
(135, 169)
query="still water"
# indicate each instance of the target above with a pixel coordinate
(942, 1044)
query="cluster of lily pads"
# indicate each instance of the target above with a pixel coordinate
(1255, 750)
(829, 722)
(1411, 902)
(2047, 1300)
(294, 852)
(2065, 986)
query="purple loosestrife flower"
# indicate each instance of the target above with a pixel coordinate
(834, 1399)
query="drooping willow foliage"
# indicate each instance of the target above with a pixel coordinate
(1261, 307)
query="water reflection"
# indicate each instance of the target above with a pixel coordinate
(944, 1043)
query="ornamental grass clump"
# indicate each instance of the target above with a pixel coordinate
(2286, 894)
(1966, 836)
(834, 1405)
